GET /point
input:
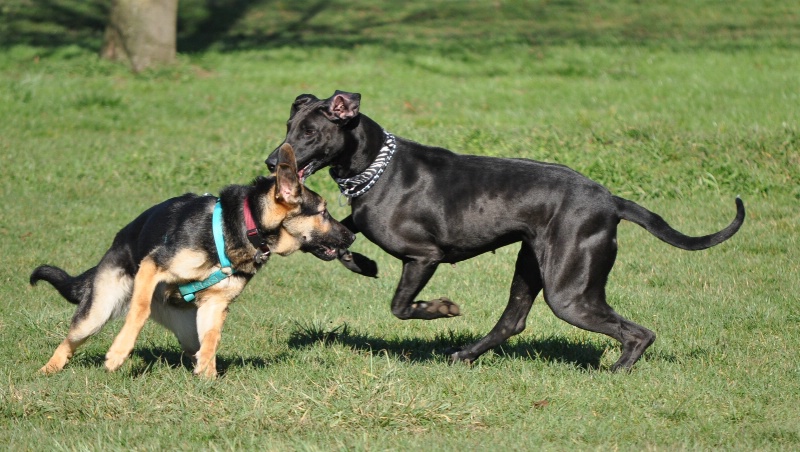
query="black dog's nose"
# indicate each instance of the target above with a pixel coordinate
(272, 161)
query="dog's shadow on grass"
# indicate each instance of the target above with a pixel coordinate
(149, 357)
(552, 349)
(174, 358)
(582, 355)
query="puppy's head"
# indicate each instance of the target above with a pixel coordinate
(300, 215)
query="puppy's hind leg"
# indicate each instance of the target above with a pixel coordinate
(108, 298)
(144, 285)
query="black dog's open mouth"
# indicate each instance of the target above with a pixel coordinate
(308, 170)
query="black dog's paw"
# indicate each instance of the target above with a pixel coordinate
(434, 309)
(454, 354)
(358, 263)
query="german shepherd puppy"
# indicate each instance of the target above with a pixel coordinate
(172, 244)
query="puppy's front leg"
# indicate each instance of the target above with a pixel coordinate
(210, 318)
(143, 286)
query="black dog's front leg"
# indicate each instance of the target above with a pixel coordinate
(358, 263)
(355, 262)
(415, 275)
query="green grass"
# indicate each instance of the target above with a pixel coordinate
(680, 106)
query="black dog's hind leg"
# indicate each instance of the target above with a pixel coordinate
(355, 262)
(574, 288)
(525, 286)
(590, 312)
(415, 275)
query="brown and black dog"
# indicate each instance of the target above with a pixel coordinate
(172, 244)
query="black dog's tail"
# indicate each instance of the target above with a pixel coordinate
(629, 210)
(72, 288)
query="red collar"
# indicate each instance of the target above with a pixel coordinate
(254, 235)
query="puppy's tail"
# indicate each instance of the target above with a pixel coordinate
(72, 288)
(629, 210)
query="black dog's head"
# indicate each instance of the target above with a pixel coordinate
(314, 130)
(301, 214)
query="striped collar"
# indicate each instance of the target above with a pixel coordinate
(352, 187)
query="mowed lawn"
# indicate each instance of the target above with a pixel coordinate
(680, 106)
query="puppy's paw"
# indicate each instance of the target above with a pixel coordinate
(114, 361)
(206, 369)
(49, 369)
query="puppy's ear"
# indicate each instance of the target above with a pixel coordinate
(342, 107)
(287, 185)
(286, 156)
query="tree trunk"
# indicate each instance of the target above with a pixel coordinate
(141, 32)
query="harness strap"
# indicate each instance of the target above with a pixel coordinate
(219, 239)
(188, 290)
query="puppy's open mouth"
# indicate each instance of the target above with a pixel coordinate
(322, 252)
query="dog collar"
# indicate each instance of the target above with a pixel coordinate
(188, 290)
(254, 235)
(359, 184)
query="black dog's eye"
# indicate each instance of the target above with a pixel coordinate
(309, 132)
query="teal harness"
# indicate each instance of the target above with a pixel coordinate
(188, 290)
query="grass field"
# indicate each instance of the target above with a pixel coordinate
(680, 106)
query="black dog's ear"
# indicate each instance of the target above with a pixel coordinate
(342, 107)
(300, 101)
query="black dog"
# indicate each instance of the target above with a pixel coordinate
(427, 205)
(172, 245)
